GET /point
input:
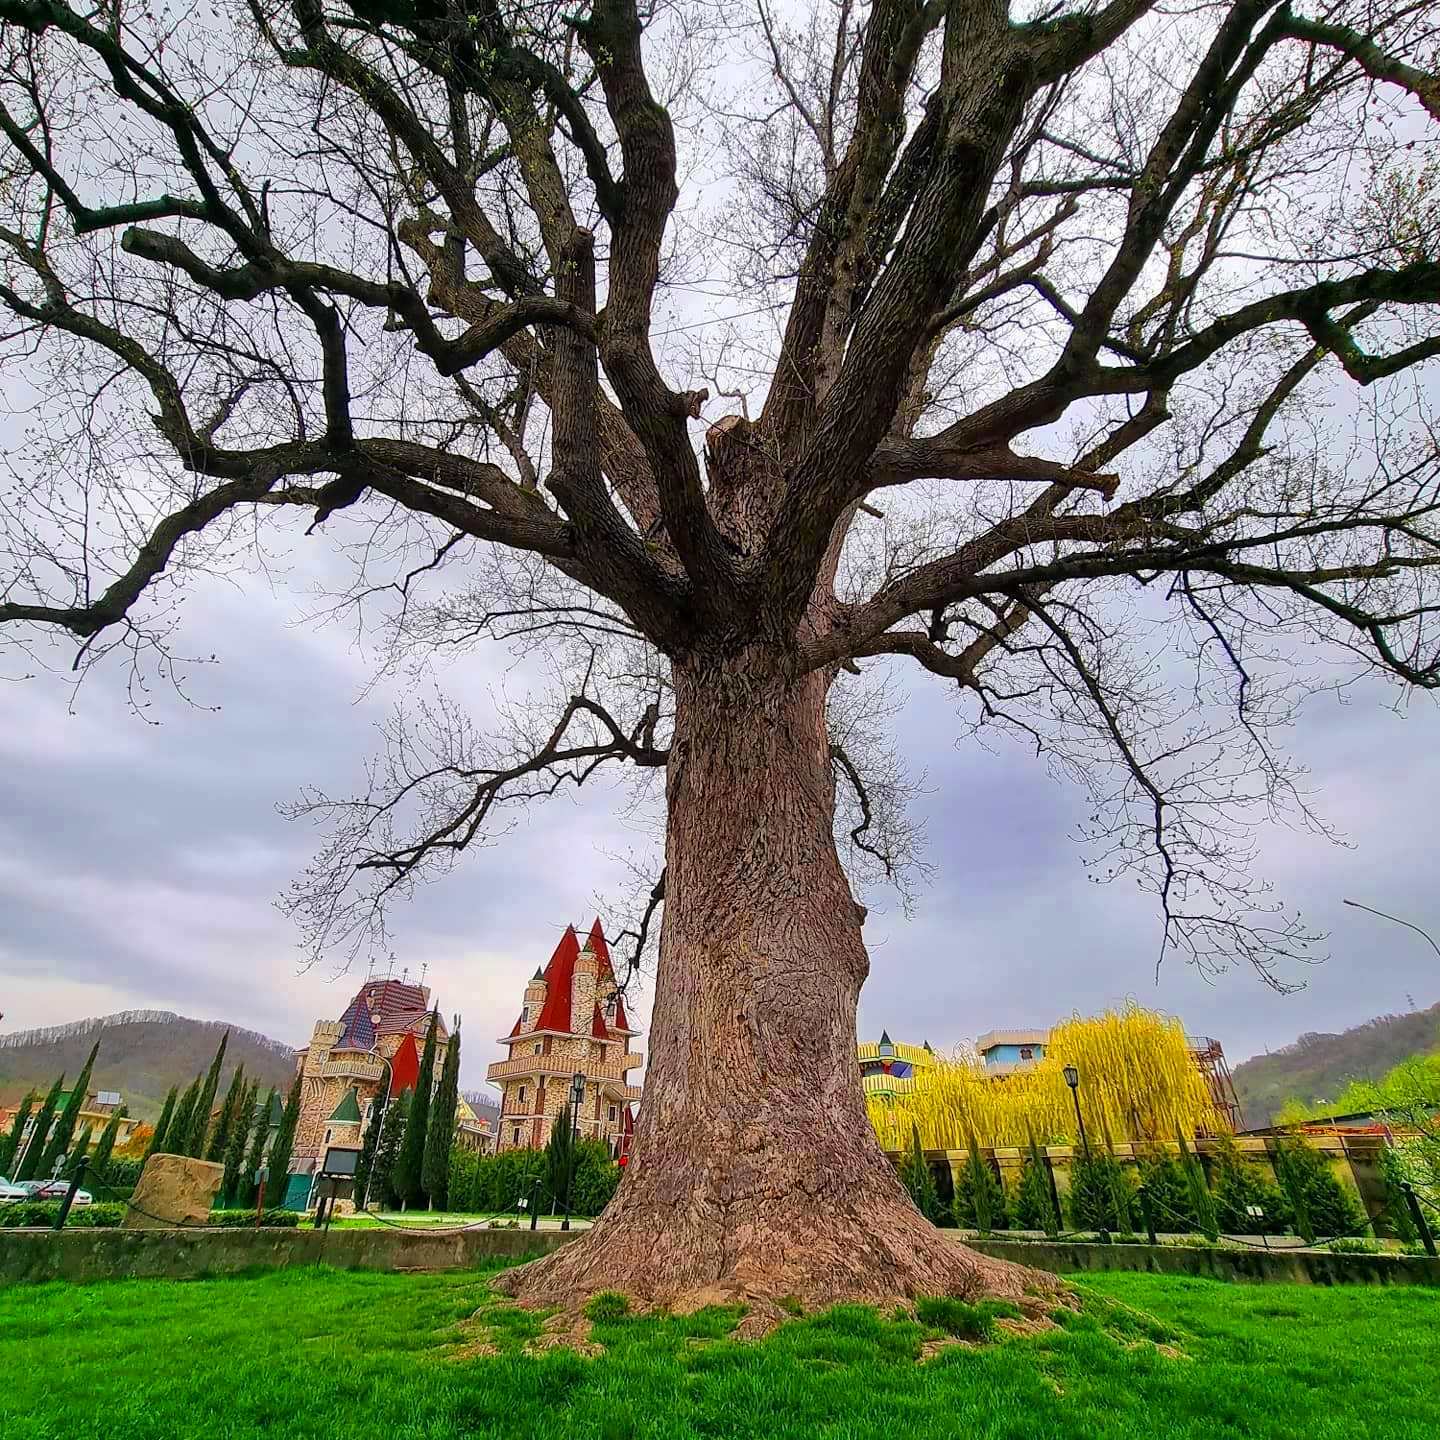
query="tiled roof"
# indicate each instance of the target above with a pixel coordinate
(357, 1030)
(396, 1006)
(597, 1026)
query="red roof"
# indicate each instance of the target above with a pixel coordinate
(598, 945)
(620, 1022)
(519, 1021)
(559, 975)
(405, 1066)
(597, 1026)
(398, 1006)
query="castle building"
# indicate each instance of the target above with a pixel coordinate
(344, 1068)
(573, 1022)
(888, 1068)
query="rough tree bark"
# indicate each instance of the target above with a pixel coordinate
(755, 1172)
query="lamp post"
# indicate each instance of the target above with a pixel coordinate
(577, 1099)
(1072, 1079)
(389, 1074)
(1424, 935)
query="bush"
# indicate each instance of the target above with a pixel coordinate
(919, 1180)
(1353, 1245)
(1239, 1184)
(1396, 1173)
(44, 1213)
(1172, 1206)
(118, 1174)
(597, 1177)
(275, 1219)
(1099, 1193)
(1320, 1204)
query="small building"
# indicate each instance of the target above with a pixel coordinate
(888, 1068)
(1006, 1051)
(97, 1112)
(572, 1022)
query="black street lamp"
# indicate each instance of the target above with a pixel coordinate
(1072, 1079)
(577, 1099)
(1424, 935)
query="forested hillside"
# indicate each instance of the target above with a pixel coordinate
(1318, 1067)
(142, 1054)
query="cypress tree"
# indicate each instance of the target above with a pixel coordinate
(387, 1153)
(40, 1133)
(916, 1177)
(1034, 1207)
(368, 1149)
(256, 1158)
(64, 1130)
(229, 1113)
(101, 1158)
(11, 1143)
(1202, 1203)
(200, 1116)
(285, 1138)
(241, 1118)
(980, 1198)
(75, 1160)
(162, 1125)
(409, 1173)
(560, 1154)
(440, 1127)
(179, 1129)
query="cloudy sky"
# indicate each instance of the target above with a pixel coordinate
(139, 859)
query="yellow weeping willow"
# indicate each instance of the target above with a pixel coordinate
(1137, 1082)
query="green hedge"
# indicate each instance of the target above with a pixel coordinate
(29, 1213)
(281, 1219)
(491, 1184)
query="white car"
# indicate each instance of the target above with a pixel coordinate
(9, 1193)
(53, 1190)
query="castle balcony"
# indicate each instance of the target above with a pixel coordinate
(525, 1065)
(352, 1065)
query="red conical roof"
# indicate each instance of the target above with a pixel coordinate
(597, 1026)
(559, 975)
(405, 1066)
(599, 946)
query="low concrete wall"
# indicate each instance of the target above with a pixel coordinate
(1305, 1267)
(83, 1255)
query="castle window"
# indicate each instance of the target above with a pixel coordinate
(612, 1115)
(1026, 1053)
(538, 1047)
(515, 1139)
(522, 1094)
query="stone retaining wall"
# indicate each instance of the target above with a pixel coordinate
(1305, 1267)
(84, 1255)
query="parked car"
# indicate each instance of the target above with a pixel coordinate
(53, 1190)
(10, 1193)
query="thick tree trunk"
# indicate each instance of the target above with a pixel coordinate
(755, 1173)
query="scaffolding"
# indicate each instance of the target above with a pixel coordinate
(1210, 1060)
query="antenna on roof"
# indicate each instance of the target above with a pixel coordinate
(423, 969)
(390, 965)
(405, 975)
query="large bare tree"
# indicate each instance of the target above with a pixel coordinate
(1078, 357)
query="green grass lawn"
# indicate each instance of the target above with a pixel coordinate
(321, 1353)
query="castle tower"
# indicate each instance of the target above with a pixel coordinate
(572, 1021)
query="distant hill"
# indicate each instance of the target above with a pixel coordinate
(1317, 1067)
(142, 1054)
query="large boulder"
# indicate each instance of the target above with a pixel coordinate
(173, 1190)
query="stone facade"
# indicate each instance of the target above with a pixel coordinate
(572, 1022)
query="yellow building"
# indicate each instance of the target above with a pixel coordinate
(573, 1022)
(889, 1069)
